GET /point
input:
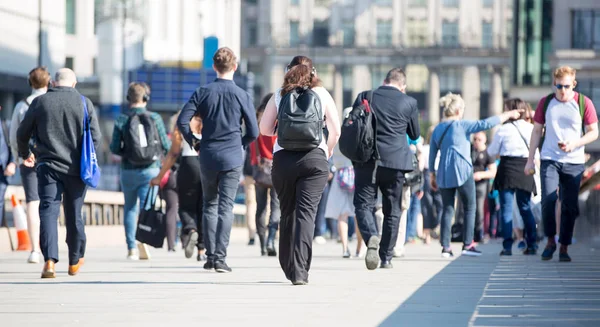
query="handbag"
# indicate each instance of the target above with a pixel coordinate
(89, 169)
(151, 227)
(262, 171)
(345, 178)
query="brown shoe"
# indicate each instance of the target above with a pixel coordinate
(74, 269)
(49, 271)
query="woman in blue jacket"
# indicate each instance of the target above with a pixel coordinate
(455, 171)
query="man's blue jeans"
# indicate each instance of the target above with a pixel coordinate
(411, 218)
(135, 184)
(506, 211)
(219, 189)
(568, 177)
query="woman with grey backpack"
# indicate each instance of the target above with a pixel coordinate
(298, 113)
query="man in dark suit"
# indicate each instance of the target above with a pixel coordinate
(396, 116)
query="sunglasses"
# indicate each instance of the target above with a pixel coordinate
(560, 86)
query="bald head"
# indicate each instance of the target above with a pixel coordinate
(65, 77)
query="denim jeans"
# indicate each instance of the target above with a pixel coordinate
(135, 184)
(413, 212)
(568, 177)
(219, 189)
(507, 197)
(320, 223)
(466, 194)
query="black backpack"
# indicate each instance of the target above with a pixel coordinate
(358, 139)
(300, 120)
(141, 142)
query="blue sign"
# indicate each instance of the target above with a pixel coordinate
(211, 45)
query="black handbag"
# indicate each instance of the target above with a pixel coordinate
(151, 227)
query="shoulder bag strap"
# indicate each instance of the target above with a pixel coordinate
(444, 134)
(522, 137)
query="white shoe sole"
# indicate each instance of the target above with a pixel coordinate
(471, 254)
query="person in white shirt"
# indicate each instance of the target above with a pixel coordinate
(511, 144)
(39, 79)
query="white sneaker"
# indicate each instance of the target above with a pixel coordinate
(320, 240)
(144, 252)
(133, 255)
(34, 257)
(398, 253)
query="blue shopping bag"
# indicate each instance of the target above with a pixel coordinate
(90, 171)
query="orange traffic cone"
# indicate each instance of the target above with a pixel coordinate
(20, 219)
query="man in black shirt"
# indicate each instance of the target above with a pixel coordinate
(484, 169)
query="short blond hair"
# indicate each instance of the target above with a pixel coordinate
(452, 104)
(563, 71)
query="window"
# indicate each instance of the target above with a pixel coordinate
(489, 3)
(294, 34)
(383, 2)
(348, 29)
(417, 33)
(450, 34)
(586, 29)
(509, 32)
(384, 33)
(252, 33)
(253, 2)
(94, 66)
(484, 80)
(450, 79)
(487, 35)
(322, 3)
(295, 2)
(69, 62)
(450, 3)
(321, 33)
(70, 17)
(418, 3)
(590, 88)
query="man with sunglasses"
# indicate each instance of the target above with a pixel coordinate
(562, 127)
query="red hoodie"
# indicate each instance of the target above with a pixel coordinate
(265, 146)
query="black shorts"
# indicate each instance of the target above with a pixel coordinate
(30, 183)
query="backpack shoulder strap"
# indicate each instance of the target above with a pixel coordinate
(582, 110)
(549, 98)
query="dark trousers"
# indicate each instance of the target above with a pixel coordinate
(495, 225)
(299, 179)
(52, 188)
(431, 204)
(262, 193)
(169, 193)
(320, 222)
(481, 192)
(219, 189)
(390, 182)
(189, 191)
(466, 194)
(507, 197)
(568, 177)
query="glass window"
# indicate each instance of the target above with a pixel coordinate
(489, 3)
(69, 62)
(450, 79)
(295, 2)
(347, 78)
(383, 2)
(417, 33)
(322, 3)
(252, 33)
(450, 34)
(450, 3)
(294, 34)
(484, 80)
(586, 29)
(348, 29)
(384, 33)
(487, 35)
(321, 33)
(418, 3)
(70, 17)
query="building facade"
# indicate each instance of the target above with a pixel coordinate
(444, 45)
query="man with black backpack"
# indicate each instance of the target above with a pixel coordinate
(389, 158)
(140, 138)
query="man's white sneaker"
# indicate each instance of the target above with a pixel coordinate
(34, 257)
(320, 240)
(133, 255)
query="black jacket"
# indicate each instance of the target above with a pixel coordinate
(56, 120)
(396, 115)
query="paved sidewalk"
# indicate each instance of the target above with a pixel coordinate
(422, 290)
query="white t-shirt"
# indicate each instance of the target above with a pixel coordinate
(511, 140)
